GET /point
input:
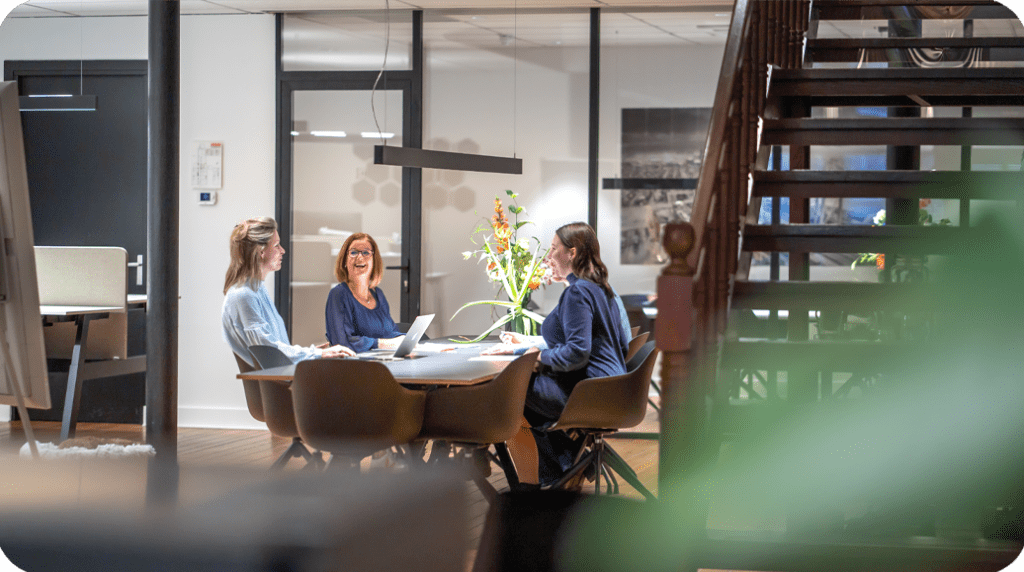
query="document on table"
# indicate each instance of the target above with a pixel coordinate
(493, 358)
(435, 348)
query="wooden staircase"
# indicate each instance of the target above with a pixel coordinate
(807, 358)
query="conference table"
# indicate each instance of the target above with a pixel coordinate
(459, 364)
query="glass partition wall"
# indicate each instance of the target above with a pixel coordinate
(338, 191)
(512, 84)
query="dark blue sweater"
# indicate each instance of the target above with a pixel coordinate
(584, 335)
(351, 324)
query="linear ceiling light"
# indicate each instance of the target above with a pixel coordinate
(425, 159)
(669, 184)
(376, 135)
(58, 102)
(328, 133)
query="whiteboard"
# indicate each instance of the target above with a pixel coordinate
(20, 321)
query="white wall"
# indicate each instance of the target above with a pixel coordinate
(227, 94)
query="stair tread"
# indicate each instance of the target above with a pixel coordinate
(847, 295)
(895, 131)
(936, 42)
(901, 86)
(998, 185)
(872, 10)
(910, 239)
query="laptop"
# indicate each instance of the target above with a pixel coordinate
(412, 337)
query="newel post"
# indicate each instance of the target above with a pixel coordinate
(681, 424)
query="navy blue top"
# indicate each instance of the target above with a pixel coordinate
(351, 324)
(584, 335)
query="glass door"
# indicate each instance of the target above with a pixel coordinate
(338, 191)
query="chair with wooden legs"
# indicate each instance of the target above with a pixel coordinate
(470, 419)
(278, 411)
(601, 406)
(352, 408)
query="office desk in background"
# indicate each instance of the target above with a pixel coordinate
(81, 370)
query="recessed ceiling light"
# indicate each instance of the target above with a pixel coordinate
(327, 133)
(375, 135)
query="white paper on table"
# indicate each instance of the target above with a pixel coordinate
(436, 348)
(493, 358)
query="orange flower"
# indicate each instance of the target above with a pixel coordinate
(923, 203)
(491, 266)
(534, 284)
(880, 262)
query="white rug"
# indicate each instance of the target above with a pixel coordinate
(105, 451)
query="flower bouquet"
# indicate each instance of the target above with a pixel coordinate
(514, 263)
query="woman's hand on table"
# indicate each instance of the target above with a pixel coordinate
(512, 338)
(389, 343)
(337, 351)
(504, 349)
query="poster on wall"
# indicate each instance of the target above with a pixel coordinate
(658, 143)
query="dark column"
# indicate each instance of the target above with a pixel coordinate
(595, 108)
(162, 311)
(412, 181)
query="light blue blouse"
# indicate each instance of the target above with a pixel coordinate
(250, 318)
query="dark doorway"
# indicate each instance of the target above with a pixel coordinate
(87, 182)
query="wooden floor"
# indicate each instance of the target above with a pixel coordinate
(251, 452)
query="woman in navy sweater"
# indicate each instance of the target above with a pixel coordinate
(357, 312)
(582, 338)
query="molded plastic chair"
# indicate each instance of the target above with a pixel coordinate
(635, 344)
(602, 405)
(634, 331)
(353, 408)
(474, 417)
(278, 411)
(251, 387)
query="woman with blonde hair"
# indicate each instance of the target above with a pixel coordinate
(248, 316)
(357, 313)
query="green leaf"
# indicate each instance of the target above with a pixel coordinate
(510, 193)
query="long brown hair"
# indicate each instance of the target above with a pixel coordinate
(341, 271)
(248, 241)
(587, 262)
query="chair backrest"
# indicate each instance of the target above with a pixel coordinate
(613, 402)
(353, 407)
(640, 355)
(634, 331)
(490, 412)
(253, 400)
(635, 344)
(278, 412)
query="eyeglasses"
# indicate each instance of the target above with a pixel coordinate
(364, 253)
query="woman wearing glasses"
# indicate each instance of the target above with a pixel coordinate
(357, 312)
(248, 316)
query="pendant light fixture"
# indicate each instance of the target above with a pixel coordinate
(426, 159)
(64, 101)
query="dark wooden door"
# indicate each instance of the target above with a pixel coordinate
(87, 183)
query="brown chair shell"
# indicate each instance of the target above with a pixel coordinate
(353, 407)
(490, 412)
(613, 402)
(635, 344)
(251, 387)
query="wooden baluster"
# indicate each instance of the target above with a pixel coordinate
(683, 428)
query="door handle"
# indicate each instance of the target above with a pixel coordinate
(138, 266)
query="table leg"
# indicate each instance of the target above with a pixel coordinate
(74, 391)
